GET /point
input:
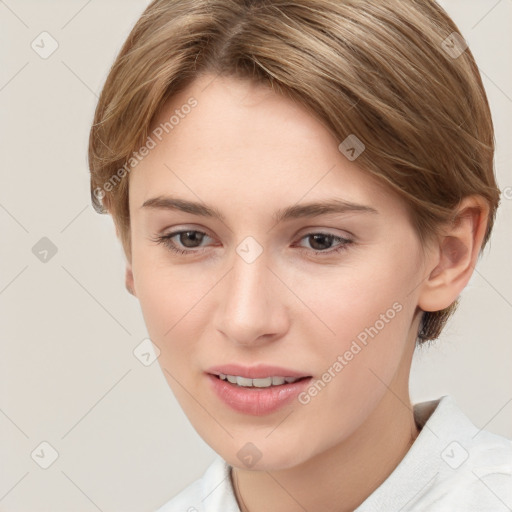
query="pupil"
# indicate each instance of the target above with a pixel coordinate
(190, 234)
(325, 237)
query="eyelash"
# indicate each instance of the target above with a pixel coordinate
(166, 241)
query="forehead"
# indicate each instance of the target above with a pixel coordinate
(245, 142)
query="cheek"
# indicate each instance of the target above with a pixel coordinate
(172, 302)
(169, 311)
(166, 305)
(366, 310)
(163, 289)
(368, 315)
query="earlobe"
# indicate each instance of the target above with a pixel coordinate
(456, 255)
(129, 282)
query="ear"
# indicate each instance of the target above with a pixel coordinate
(454, 257)
(129, 282)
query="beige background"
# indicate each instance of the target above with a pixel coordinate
(68, 328)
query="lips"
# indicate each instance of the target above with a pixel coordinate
(253, 400)
(256, 401)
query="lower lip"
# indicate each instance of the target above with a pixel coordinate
(256, 401)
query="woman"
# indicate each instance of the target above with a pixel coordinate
(302, 191)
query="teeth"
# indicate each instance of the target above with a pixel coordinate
(242, 381)
(257, 383)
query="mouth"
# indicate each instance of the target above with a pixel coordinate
(256, 390)
(257, 396)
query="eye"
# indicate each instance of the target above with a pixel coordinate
(320, 240)
(191, 239)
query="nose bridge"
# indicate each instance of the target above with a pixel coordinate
(248, 284)
(249, 300)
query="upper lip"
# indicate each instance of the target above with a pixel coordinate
(260, 371)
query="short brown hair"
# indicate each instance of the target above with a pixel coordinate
(395, 73)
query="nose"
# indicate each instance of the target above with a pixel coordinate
(252, 309)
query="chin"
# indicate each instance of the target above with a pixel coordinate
(265, 458)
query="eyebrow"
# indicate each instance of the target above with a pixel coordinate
(296, 211)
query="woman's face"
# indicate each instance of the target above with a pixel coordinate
(252, 290)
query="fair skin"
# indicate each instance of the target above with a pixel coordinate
(249, 152)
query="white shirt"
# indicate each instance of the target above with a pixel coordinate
(452, 466)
